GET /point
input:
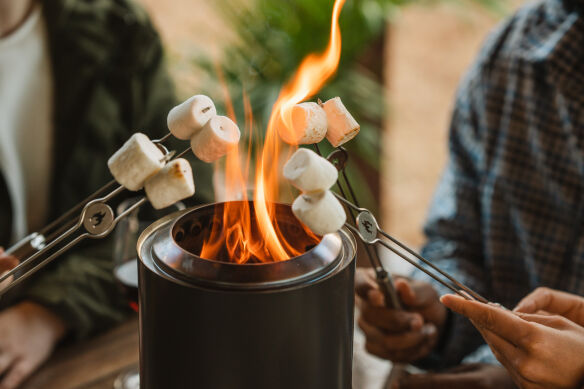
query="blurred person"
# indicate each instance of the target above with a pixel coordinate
(507, 214)
(528, 342)
(77, 77)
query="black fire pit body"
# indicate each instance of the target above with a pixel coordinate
(214, 325)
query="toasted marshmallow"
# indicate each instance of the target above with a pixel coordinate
(321, 212)
(190, 116)
(215, 139)
(309, 125)
(310, 172)
(136, 161)
(171, 184)
(342, 126)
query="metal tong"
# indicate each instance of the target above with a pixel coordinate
(367, 229)
(92, 218)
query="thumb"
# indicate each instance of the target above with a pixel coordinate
(365, 282)
(406, 292)
(7, 263)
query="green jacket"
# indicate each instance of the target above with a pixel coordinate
(109, 81)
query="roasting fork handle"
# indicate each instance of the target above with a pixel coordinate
(96, 221)
(368, 231)
(92, 218)
(387, 288)
(339, 158)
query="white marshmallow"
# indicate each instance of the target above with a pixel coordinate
(173, 183)
(310, 172)
(342, 126)
(216, 138)
(136, 161)
(309, 125)
(321, 212)
(190, 116)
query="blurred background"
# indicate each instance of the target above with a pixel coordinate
(400, 66)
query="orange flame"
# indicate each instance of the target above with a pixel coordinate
(234, 229)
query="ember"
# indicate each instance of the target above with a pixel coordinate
(256, 234)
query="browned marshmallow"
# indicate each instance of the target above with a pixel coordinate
(171, 184)
(136, 161)
(309, 125)
(342, 127)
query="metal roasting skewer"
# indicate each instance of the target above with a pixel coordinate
(367, 230)
(91, 218)
(98, 220)
(339, 159)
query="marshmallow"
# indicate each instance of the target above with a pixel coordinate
(215, 139)
(136, 161)
(190, 116)
(309, 125)
(310, 172)
(321, 212)
(173, 183)
(342, 127)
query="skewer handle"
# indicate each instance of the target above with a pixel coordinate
(387, 289)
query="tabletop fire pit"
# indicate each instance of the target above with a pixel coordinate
(214, 323)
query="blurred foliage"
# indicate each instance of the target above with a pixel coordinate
(272, 38)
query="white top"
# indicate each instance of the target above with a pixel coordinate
(26, 133)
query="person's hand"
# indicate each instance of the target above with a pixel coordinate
(7, 262)
(539, 351)
(476, 376)
(399, 335)
(28, 334)
(543, 300)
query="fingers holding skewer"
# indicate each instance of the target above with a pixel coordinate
(7, 263)
(528, 345)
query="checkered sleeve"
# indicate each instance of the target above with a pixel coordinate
(453, 226)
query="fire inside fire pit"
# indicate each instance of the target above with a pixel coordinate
(193, 230)
(241, 233)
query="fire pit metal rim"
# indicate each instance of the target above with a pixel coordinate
(157, 243)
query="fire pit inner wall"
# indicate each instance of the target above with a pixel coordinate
(213, 324)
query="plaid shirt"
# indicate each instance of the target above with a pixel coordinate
(508, 213)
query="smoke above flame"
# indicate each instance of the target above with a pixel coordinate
(256, 235)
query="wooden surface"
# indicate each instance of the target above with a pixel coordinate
(93, 364)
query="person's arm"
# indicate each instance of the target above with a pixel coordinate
(539, 351)
(454, 223)
(80, 287)
(454, 243)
